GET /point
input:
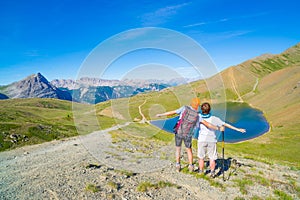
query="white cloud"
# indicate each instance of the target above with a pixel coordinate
(161, 15)
(205, 23)
(243, 17)
(232, 34)
(196, 24)
(205, 37)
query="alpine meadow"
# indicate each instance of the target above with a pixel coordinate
(269, 83)
(123, 144)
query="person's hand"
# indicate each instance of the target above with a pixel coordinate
(159, 115)
(242, 130)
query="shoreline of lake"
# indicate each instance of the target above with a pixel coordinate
(241, 115)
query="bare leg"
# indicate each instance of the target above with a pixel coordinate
(201, 164)
(190, 158)
(177, 154)
(190, 155)
(212, 165)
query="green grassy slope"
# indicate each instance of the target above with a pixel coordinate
(269, 83)
(262, 66)
(31, 121)
(278, 95)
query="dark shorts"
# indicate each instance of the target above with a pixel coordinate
(187, 140)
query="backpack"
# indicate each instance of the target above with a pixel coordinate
(186, 124)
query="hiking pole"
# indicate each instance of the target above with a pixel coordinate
(223, 164)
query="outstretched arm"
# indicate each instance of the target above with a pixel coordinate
(173, 112)
(235, 128)
(210, 126)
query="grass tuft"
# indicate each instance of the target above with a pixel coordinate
(282, 195)
(114, 185)
(146, 186)
(242, 184)
(92, 188)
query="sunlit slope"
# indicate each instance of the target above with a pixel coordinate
(269, 83)
(34, 120)
(272, 84)
(278, 95)
(240, 82)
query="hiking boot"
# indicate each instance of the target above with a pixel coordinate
(191, 168)
(178, 167)
(213, 174)
(201, 172)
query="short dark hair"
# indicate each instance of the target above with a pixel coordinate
(205, 108)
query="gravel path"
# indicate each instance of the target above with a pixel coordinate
(91, 167)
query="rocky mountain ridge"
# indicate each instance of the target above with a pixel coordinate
(97, 94)
(34, 86)
(85, 90)
(95, 82)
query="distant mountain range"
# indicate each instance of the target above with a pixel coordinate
(84, 90)
(96, 94)
(95, 82)
(34, 86)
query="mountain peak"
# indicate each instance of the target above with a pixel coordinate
(37, 77)
(35, 86)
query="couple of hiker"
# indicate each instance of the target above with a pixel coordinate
(207, 140)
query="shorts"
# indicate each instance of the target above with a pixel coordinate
(187, 140)
(209, 149)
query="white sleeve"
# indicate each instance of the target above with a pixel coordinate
(217, 121)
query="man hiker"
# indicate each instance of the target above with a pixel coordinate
(188, 119)
(207, 140)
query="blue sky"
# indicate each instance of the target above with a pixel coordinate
(54, 37)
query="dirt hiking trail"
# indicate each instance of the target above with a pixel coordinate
(92, 167)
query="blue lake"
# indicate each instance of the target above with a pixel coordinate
(240, 115)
